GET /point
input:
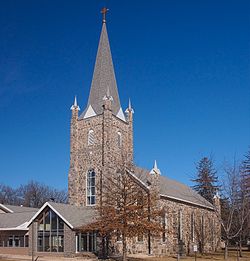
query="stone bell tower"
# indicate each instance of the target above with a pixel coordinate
(101, 138)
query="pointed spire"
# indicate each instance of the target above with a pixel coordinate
(129, 109)
(108, 96)
(108, 92)
(103, 77)
(155, 165)
(155, 169)
(75, 106)
(129, 104)
(217, 195)
(75, 102)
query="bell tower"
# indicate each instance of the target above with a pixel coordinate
(101, 138)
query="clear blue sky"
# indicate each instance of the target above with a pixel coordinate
(184, 64)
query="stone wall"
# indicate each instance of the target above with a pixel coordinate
(103, 156)
(33, 238)
(173, 240)
(69, 242)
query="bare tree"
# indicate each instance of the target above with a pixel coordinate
(126, 210)
(234, 208)
(9, 195)
(33, 194)
(244, 196)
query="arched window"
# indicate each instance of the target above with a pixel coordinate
(164, 226)
(119, 139)
(91, 187)
(91, 138)
(180, 225)
(192, 227)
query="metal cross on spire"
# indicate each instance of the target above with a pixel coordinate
(104, 11)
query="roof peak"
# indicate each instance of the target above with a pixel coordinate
(75, 106)
(155, 169)
(103, 77)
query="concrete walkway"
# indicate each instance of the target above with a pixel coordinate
(41, 258)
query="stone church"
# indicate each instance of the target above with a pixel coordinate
(100, 137)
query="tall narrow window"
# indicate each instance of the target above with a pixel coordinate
(212, 234)
(91, 138)
(119, 139)
(180, 225)
(91, 187)
(140, 237)
(164, 226)
(50, 232)
(202, 232)
(192, 227)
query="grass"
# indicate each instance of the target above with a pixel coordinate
(210, 257)
(232, 256)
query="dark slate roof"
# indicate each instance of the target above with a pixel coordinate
(17, 209)
(103, 78)
(173, 189)
(15, 220)
(74, 216)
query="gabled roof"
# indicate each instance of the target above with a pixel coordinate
(15, 221)
(173, 190)
(16, 209)
(73, 216)
(5, 209)
(103, 81)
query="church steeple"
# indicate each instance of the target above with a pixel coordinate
(103, 80)
(101, 139)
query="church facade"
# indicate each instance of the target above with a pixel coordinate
(101, 139)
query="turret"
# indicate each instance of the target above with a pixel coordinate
(73, 152)
(217, 203)
(129, 117)
(75, 108)
(107, 101)
(155, 179)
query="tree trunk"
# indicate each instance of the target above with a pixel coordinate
(124, 248)
(104, 250)
(240, 245)
(226, 250)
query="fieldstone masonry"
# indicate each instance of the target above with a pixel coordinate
(187, 224)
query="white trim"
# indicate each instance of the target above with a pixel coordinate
(42, 208)
(134, 176)
(119, 139)
(120, 115)
(187, 201)
(180, 224)
(13, 228)
(76, 243)
(5, 208)
(193, 226)
(89, 112)
(166, 196)
(87, 188)
(20, 227)
(91, 137)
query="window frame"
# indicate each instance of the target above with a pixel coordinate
(91, 138)
(119, 139)
(89, 195)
